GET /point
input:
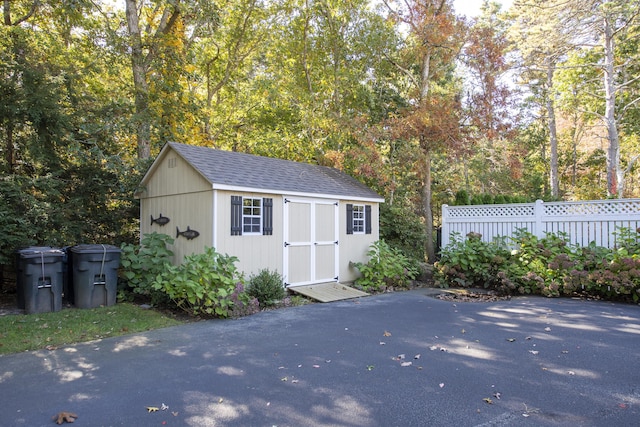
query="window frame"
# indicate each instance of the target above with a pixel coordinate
(358, 219)
(253, 216)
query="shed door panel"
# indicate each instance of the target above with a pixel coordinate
(326, 247)
(311, 241)
(299, 242)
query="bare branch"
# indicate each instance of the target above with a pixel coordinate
(7, 13)
(407, 72)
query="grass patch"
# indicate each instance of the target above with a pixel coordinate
(49, 330)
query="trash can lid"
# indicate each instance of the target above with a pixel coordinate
(92, 249)
(36, 251)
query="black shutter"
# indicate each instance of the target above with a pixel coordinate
(267, 217)
(367, 219)
(236, 215)
(349, 219)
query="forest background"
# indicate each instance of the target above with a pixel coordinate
(424, 105)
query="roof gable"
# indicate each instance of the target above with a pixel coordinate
(228, 169)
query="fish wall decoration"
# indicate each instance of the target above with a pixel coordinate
(189, 234)
(161, 220)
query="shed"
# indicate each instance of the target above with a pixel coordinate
(307, 222)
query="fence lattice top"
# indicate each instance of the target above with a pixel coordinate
(492, 210)
(582, 222)
(605, 207)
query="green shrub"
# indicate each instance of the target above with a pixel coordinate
(546, 266)
(243, 304)
(267, 287)
(204, 284)
(402, 228)
(141, 264)
(470, 263)
(462, 198)
(386, 269)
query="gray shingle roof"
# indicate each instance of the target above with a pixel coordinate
(274, 175)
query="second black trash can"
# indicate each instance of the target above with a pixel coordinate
(93, 275)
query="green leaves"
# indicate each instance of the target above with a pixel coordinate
(202, 285)
(387, 268)
(547, 266)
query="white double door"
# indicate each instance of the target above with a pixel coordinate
(310, 241)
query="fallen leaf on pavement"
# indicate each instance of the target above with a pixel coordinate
(65, 417)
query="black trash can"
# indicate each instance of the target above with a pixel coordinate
(40, 278)
(93, 275)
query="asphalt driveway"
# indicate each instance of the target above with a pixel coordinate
(402, 359)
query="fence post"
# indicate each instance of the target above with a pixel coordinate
(445, 227)
(538, 213)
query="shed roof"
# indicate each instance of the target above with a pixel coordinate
(241, 171)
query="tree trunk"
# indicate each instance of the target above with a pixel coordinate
(615, 174)
(428, 214)
(141, 87)
(554, 181)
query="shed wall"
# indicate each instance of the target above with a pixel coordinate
(193, 210)
(255, 252)
(173, 175)
(354, 247)
(179, 192)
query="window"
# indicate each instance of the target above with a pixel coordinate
(251, 216)
(358, 219)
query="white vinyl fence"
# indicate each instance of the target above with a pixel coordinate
(583, 222)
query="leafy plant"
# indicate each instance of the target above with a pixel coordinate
(402, 228)
(243, 303)
(470, 262)
(204, 284)
(267, 287)
(547, 266)
(142, 263)
(387, 268)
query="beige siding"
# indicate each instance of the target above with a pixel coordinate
(175, 190)
(192, 210)
(254, 252)
(354, 247)
(173, 175)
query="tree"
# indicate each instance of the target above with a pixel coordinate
(144, 46)
(575, 23)
(542, 36)
(426, 60)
